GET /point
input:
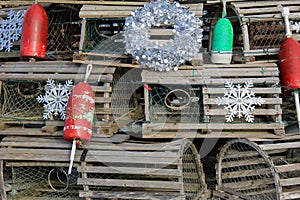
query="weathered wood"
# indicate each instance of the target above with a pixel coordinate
(131, 183)
(286, 145)
(130, 170)
(245, 173)
(250, 161)
(250, 184)
(291, 195)
(290, 181)
(2, 183)
(287, 168)
(130, 195)
(105, 11)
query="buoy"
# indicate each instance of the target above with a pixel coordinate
(79, 115)
(289, 63)
(222, 40)
(34, 32)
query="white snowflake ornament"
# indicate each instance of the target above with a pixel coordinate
(56, 98)
(239, 101)
(11, 29)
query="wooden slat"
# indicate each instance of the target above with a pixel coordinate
(251, 184)
(244, 173)
(118, 11)
(273, 90)
(130, 195)
(39, 77)
(290, 182)
(130, 183)
(287, 145)
(257, 111)
(291, 195)
(215, 126)
(267, 101)
(128, 159)
(130, 170)
(250, 161)
(287, 168)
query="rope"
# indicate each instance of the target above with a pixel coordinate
(89, 68)
(224, 12)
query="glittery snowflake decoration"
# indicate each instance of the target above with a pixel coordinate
(56, 98)
(11, 29)
(239, 101)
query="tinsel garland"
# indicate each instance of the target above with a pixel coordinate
(162, 57)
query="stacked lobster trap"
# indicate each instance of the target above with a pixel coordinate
(63, 34)
(263, 29)
(154, 109)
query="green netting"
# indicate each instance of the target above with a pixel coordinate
(175, 103)
(104, 36)
(42, 182)
(18, 100)
(64, 29)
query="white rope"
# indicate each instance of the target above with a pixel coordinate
(89, 69)
(224, 12)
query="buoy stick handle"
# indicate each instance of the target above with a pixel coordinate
(72, 156)
(296, 95)
(285, 12)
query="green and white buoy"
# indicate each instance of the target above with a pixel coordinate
(222, 40)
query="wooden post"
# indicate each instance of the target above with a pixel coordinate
(83, 35)
(2, 187)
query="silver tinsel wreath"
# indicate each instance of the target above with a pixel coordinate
(162, 57)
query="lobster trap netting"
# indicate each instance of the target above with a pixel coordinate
(191, 168)
(175, 103)
(104, 36)
(43, 182)
(18, 100)
(127, 96)
(64, 29)
(266, 34)
(242, 167)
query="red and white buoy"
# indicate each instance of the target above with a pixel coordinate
(34, 32)
(79, 115)
(289, 63)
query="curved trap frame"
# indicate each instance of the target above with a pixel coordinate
(264, 169)
(244, 168)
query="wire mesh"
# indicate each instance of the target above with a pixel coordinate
(166, 104)
(245, 170)
(31, 182)
(64, 29)
(18, 100)
(266, 34)
(104, 36)
(192, 174)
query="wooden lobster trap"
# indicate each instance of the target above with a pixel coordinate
(100, 22)
(262, 28)
(260, 169)
(22, 82)
(203, 87)
(63, 29)
(167, 170)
